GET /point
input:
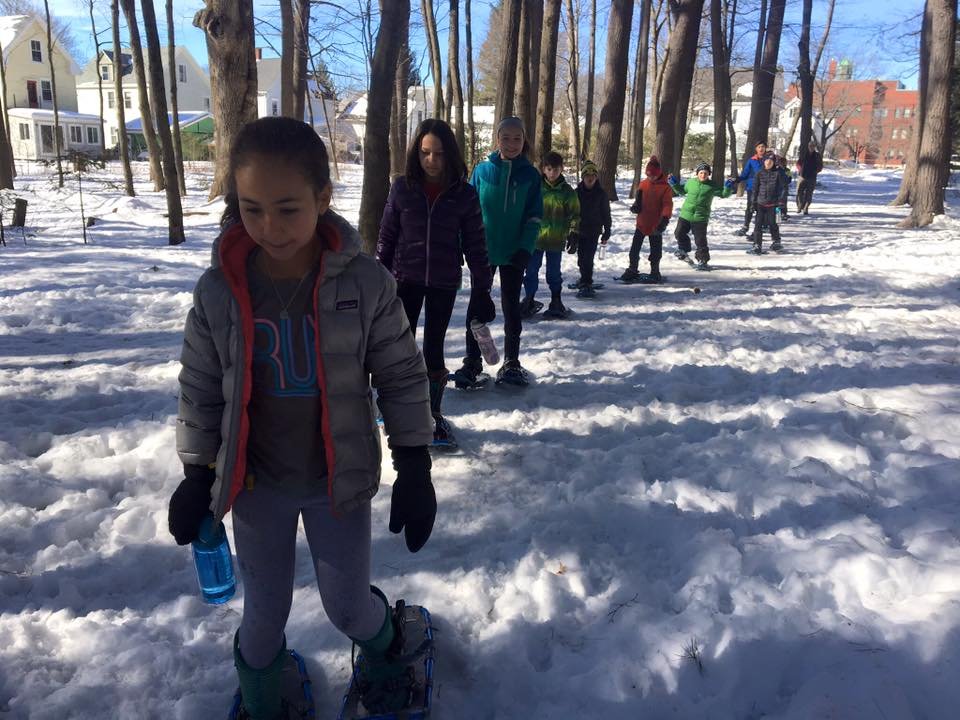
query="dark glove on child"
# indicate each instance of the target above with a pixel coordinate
(573, 241)
(413, 504)
(662, 225)
(190, 502)
(520, 259)
(635, 208)
(481, 306)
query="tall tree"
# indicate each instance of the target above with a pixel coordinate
(173, 72)
(453, 70)
(146, 119)
(678, 67)
(97, 54)
(394, 15)
(228, 25)
(301, 51)
(286, 58)
(122, 144)
(543, 135)
(158, 101)
(57, 143)
(610, 121)
(523, 88)
(812, 68)
(471, 126)
(764, 77)
(7, 168)
(721, 87)
(433, 45)
(534, 12)
(640, 90)
(398, 112)
(573, 77)
(591, 76)
(508, 66)
(932, 165)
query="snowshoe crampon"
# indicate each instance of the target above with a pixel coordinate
(296, 690)
(418, 651)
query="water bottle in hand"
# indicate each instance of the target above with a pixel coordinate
(603, 251)
(488, 348)
(211, 555)
(777, 213)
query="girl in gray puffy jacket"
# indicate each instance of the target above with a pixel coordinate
(289, 328)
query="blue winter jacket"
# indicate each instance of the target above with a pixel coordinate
(750, 170)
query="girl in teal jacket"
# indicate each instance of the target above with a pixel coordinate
(699, 193)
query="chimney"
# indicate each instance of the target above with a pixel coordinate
(259, 52)
(831, 71)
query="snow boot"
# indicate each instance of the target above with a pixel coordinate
(260, 689)
(441, 430)
(755, 250)
(650, 279)
(586, 291)
(511, 373)
(741, 231)
(466, 376)
(681, 255)
(556, 308)
(385, 678)
(630, 275)
(776, 245)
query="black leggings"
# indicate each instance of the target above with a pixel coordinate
(511, 282)
(439, 308)
(699, 229)
(656, 250)
(586, 250)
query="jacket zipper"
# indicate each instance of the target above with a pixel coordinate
(426, 277)
(506, 192)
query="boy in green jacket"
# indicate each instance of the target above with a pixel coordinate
(558, 229)
(695, 213)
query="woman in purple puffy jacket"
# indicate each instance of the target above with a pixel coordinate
(431, 223)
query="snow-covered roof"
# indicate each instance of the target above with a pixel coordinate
(13, 26)
(186, 118)
(46, 114)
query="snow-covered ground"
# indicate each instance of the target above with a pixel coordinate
(737, 503)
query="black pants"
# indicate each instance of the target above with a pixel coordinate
(748, 213)
(436, 319)
(766, 216)
(699, 229)
(656, 251)
(805, 194)
(511, 282)
(586, 251)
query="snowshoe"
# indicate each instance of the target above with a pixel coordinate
(513, 374)
(586, 292)
(650, 279)
(702, 265)
(776, 246)
(755, 250)
(556, 311)
(629, 276)
(574, 285)
(443, 433)
(470, 376)
(530, 307)
(413, 623)
(577, 285)
(297, 692)
(741, 231)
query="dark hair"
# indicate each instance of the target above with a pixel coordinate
(281, 139)
(553, 159)
(455, 169)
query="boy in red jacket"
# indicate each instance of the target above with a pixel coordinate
(654, 207)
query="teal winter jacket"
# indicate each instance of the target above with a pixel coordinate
(511, 203)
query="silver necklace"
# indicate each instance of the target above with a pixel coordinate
(284, 315)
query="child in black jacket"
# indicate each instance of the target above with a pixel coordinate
(594, 223)
(768, 195)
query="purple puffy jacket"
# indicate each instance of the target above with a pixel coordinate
(423, 245)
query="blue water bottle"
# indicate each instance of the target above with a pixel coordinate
(211, 554)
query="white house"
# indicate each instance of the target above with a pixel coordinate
(193, 87)
(787, 115)
(32, 133)
(27, 68)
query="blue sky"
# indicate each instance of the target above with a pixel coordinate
(855, 33)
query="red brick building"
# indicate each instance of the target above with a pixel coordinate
(876, 117)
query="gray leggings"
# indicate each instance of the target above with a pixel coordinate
(265, 534)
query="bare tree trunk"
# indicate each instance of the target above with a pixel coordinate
(158, 101)
(523, 66)
(174, 109)
(812, 70)
(467, 29)
(659, 65)
(721, 87)
(677, 71)
(534, 13)
(548, 78)
(610, 121)
(433, 44)
(57, 144)
(146, 119)
(394, 17)
(398, 113)
(764, 76)
(909, 180)
(640, 84)
(573, 97)
(286, 58)
(301, 51)
(331, 127)
(96, 54)
(729, 25)
(228, 25)
(806, 80)
(926, 199)
(453, 71)
(508, 68)
(122, 144)
(8, 170)
(591, 76)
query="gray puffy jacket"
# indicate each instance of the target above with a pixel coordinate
(363, 338)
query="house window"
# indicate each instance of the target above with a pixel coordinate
(206, 104)
(898, 112)
(182, 73)
(705, 117)
(733, 118)
(93, 135)
(896, 131)
(274, 108)
(24, 131)
(76, 134)
(114, 136)
(127, 103)
(857, 109)
(111, 100)
(907, 112)
(46, 91)
(104, 72)
(35, 52)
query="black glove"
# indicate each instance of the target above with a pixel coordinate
(637, 203)
(413, 504)
(573, 241)
(520, 259)
(662, 225)
(481, 306)
(190, 503)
